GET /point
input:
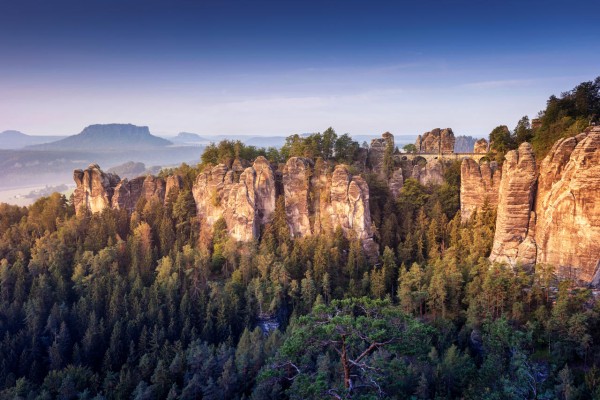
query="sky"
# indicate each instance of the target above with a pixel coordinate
(289, 66)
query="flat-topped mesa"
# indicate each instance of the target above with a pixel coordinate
(244, 204)
(513, 239)
(377, 153)
(94, 189)
(479, 185)
(568, 206)
(481, 146)
(436, 141)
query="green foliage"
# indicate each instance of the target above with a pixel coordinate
(409, 148)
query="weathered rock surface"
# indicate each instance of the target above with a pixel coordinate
(377, 152)
(264, 187)
(240, 212)
(478, 184)
(431, 173)
(173, 186)
(396, 182)
(481, 146)
(515, 205)
(245, 204)
(211, 192)
(317, 201)
(349, 207)
(436, 141)
(128, 192)
(94, 189)
(568, 205)
(296, 184)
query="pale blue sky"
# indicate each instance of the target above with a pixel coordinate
(283, 67)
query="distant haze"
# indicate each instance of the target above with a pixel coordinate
(282, 67)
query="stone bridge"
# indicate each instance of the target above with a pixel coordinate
(440, 156)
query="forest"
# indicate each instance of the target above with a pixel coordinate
(115, 305)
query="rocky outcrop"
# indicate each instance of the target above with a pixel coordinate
(296, 183)
(240, 211)
(244, 204)
(264, 187)
(478, 184)
(377, 152)
(481, 146)
(436, 141)
(396, 182)
(431, 173)
(568, 205)
(94, 189)
(173, 185)
(349, 207)
(211, 192)
(515, 209)
(128, 192)
(318, 201)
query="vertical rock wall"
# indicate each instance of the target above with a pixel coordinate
(478, 184)
(515, 209)
(568, 205)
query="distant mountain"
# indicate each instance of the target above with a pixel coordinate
(108, 137)
(265, 141)
(187, 138)
(18, 140)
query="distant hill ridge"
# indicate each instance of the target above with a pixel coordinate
(107, 137)
(12, 139)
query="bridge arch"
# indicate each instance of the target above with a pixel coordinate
(419, 160)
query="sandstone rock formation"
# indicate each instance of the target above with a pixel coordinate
(173, 185)
(94, 189)
(264, 186)
(317, 201)
(515, 209)
(481, 146)
(478, 184)
(240, 212)
(396, 182)
(568, 205)
(377, 152)
(128, 192)
(431, 173)
(436, 141)
(349, 207)
(244, 204)
(296, 181)
(211, 191)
